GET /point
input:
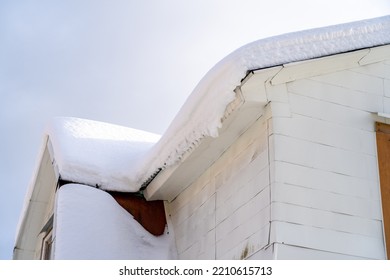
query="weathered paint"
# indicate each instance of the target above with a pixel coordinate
(225, 213)
(300, 183)
(325, 192)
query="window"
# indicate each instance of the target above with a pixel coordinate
(47, 241)
(47, 246)
(383, 146)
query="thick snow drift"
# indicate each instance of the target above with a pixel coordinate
(91, 225)
(202, 113)
(98, 154)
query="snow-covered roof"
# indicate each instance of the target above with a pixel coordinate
(202, 113)
(90, 224)
(123, 159)
(98, 154)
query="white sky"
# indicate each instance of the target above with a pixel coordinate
(126, 62)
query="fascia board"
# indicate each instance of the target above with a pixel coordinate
(376, 54)
(319, 66)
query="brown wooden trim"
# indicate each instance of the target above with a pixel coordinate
(383, 146)
(150, 214)
(382, 127)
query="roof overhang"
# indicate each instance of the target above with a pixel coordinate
(252, 96)
(246, 108)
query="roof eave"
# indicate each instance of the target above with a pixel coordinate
(251, 99)
(243, 111)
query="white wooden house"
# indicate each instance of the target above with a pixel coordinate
(281, 152)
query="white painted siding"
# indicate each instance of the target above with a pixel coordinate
(39, 210)
(300, 183)
(325, 188)
(225, 213)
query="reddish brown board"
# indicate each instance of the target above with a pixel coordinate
(383, 146)
(150, 214)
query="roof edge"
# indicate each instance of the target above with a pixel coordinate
(202, 113)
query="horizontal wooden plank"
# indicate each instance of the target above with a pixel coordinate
(331, 112)
(323, 157)
(192, 206)
(325, 219)
(238, 247)
(245, 151)
(257, 214)
(321, 180)
(189, 230)
(366, 101)
(195, 194)
(327, 201)
(243, 197)
(203, 248)
(327, 240)
(250, 181)
(288, 252)
(327, 133)
(379, 69)
(353, 80)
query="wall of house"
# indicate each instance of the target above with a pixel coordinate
(39, 209)
(225, 213)
(48, 181)
(325, 184)
(301, 183)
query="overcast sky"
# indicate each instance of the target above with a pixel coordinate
(126, 62)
